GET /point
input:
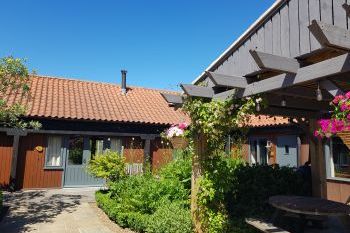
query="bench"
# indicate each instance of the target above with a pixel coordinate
(264, 226)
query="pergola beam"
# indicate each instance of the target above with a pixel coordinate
(331, 87)
(223, 80)
(289, 112)
(330, 67)
(228, 94)
(197, 91)
(172, 98)
(330, 35)
(302, 92)
(297, 103)
(267, 61)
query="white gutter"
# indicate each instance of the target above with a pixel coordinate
(242, 38)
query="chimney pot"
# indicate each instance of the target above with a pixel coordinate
(123, 86)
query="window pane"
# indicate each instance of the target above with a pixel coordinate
(253, 151)
(53, 153)
(96, 146)
(76, 149)
(263, 151)
(116, 145)
(341, 158)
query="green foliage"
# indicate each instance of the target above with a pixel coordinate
(14, 77)
(255, 184)
(142, 202)
(216, 119)
(231, 190)
(109, 166)
(180, 170)
(170, 218)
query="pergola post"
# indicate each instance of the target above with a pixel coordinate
(200, 149)
(317, 158)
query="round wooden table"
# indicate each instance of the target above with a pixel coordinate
(309, 206)
(303, 206)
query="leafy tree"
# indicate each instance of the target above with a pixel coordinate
(14, 79)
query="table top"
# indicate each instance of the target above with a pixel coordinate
(309, 205)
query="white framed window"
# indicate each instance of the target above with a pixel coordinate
(337, 159)
(53, 156)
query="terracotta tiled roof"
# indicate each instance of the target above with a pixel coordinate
(75, 99)
(265, 121)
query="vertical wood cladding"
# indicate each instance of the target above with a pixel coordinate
(285, 33)
(5, 159)
(162, 154)
(30, 167)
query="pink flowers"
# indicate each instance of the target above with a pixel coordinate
(177, 130)
(339, 120)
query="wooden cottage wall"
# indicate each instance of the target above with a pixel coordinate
(133, 149)
(5, 159)
(285, 33)
(162, 153)
(30, 165)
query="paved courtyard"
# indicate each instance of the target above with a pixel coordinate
(55, 211)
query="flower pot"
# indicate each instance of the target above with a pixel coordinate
(345, 137)
(178, 142)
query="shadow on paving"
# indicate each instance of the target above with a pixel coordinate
(32, 207)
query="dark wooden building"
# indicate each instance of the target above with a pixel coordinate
(81, 119)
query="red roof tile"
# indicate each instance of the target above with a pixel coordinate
(75, 99)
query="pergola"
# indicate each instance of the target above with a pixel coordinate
(294, 87)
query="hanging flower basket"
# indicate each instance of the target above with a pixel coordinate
(178, 142)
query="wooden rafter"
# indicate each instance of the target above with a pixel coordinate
(330, 35)
(173, 99)
(330, 67)
(302, 92)
(228, 94)
(331, 87)
(289, 112)
(197, 91)
(223, 80)
(267, 61)
(297, 103)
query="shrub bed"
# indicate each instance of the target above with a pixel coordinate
(147, 203)
(230, 192)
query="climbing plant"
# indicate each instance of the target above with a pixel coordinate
(211, 122)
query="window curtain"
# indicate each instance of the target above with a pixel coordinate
(116, 145)
(53, 152)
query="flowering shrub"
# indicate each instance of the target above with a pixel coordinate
(339, 120)
(177, 130)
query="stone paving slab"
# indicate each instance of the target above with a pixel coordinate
(51, 211)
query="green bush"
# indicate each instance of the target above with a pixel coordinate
(109, 165)
(180, 170)
(134, 200)
(170, 218)
(254, 185)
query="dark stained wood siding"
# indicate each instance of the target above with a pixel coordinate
(284, 33)
(30, 167)
(133, 149)
(5, 159)
(338, 191)
(162, 153)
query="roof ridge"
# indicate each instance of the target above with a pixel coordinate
(104, 83)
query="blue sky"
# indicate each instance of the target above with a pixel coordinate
(160, 42)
